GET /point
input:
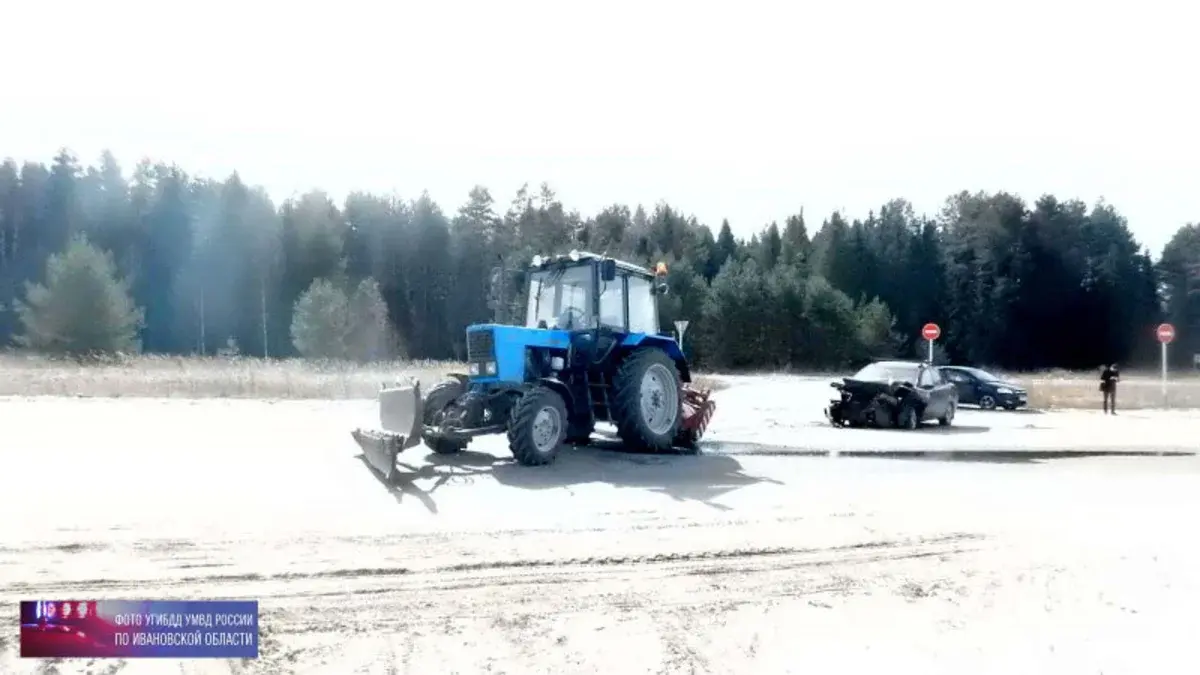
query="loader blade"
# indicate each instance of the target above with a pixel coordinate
(400, 419)
(400, 411)
(380, 450)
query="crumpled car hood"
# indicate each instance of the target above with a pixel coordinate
(869, 387)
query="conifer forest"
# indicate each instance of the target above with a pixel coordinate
(153, 259)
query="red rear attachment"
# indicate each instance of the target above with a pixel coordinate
(698, 410)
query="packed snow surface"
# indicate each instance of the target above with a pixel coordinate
(784, 545)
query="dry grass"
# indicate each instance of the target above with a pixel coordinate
(212, 377)
(215, 377)
(1065, 390)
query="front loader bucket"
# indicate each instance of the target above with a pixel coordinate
(400, 419)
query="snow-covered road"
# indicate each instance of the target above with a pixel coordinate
(748, 557)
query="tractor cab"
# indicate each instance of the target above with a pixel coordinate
(586, 291)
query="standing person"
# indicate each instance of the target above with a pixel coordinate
(1109, 377)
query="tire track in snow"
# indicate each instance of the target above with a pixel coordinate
(710, 561)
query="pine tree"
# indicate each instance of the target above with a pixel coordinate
(83, 308)
(321, 321)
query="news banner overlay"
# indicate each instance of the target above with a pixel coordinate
(175, 629)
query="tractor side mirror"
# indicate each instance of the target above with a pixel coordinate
(608, 270)
(662, 289)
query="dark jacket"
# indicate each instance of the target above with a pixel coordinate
(1108, 379)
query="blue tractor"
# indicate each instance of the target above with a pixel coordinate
(590, 351)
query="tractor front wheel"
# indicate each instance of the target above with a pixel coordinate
(441, 395)
(538, 427)
(648, 401)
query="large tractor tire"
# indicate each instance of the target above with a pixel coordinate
(538, 427)
(687, 439)
(648, 401)
(441, 395)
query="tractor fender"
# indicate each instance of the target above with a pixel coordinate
(562, 389)
(462, 378)
(671, 347)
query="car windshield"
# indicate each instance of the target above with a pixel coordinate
(882, 372)
(560, 298)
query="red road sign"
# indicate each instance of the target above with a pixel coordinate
(931, 331)
(1165, 333)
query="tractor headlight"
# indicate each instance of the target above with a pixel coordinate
(473, 369)
(490, 368)
(557, 363)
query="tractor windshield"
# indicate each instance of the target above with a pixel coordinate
(560, 298)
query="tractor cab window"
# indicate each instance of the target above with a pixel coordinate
(643, 310)
(612, 304)
(560, 298)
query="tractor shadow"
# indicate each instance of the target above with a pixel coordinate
(685, 476)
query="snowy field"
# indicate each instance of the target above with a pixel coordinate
(763, 553)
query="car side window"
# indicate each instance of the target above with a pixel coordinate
(954, 376)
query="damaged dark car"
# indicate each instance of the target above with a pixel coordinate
(893, 394)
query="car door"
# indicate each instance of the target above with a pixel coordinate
(963, 383)
(935, 398)
(946, 389)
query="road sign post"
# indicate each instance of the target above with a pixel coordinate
(931, 331)
(681, 327)
(1165, 334)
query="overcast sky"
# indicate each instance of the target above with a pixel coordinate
(740, 110)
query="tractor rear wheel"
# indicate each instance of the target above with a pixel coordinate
(441, 395)
(538, 426)
(688, 439)
(648, 401)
